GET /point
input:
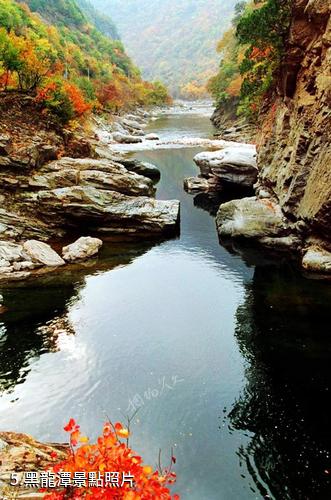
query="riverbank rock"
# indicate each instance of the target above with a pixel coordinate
(126, 139)
(20, 453)
(235, 165)
(18, 260)
(142, 168)
(42, 253)
(131, 124)
(152, 137)
(106, 211)
(99, 173)
(251, 218)
(295, 154)
(81, 249)
(317, 260)
(196, 184)
(11, 252)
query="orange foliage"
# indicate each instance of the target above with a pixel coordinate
(257, 53)
(109, 453)
(6, 80)
(76, 98)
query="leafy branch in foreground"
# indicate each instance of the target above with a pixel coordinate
(110, 469)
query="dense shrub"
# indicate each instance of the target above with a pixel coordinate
(111, 452)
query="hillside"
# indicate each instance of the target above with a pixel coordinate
(56, 52)
(173, 41)
(102, 22)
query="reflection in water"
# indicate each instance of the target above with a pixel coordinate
(23, 335)
(283, 332)
(211, 201)
(36, 312)
(224, 323)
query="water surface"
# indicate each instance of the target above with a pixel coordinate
(227, 354)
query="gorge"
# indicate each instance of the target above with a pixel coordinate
(198, 301)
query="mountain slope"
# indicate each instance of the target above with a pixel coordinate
(171, 40)
(102, 22)
(56, 53)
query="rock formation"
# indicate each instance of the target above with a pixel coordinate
(234, 165)
(294, 150)
(81, 249)
(46, 195)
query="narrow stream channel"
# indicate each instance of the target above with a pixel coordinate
(226, 355)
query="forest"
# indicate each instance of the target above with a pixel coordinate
(54, 50)
(172, 41)
(251, 52)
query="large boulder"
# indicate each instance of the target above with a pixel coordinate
(131, 124)
(251, 218)
(101, 173)
(81, 249)
(152, 137)
(196, 184)
(126, 139)
(42, 253)
(15, 262)
(236, 165)
(317, 260)
(106, 211)
(142, 168)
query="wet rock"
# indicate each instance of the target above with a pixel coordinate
(42, 253)
(106, 211)
(142, 168)
(126, 139)
(282, 243)
(81, 249)
(196, 184)
(236, 165)
(251, 218)
(152, 137)
(317, 260)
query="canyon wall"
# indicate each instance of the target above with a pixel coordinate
(294, 147)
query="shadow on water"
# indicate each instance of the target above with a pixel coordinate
(283, 331)
(211, 201)
(35, 311)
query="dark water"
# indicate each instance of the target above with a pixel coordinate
(226, 353)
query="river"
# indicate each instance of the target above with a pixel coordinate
(225, 353)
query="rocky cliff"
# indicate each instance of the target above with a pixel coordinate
(55, 183)
(295, 152)
(292, 206)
